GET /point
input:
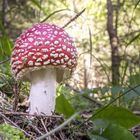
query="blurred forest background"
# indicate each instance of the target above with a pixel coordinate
(105, 87)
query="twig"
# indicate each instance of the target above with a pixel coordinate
(49, 138)
(93, 100)
(86, 97)
(26, 114)
(107, 105)
(74, 18)
(44, 125)
(14, 124)
(36, 129)
(59, 127)
(53, 14)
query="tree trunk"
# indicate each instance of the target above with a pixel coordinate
(114, 43)
(3, 12)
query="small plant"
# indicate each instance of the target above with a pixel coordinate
(8, 132)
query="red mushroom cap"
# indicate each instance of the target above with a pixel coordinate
(41, 46)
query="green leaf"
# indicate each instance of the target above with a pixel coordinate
(96, 137)
(115, 90)
(2, 84)
(5, 46)
(116, 115)
(117, 132)
(132, 93)
(63, 106)
(134, 79)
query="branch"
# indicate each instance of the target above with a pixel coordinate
(52, 14)
(27, 114)
(59, 127)
(74, 18)
(14, 124)
(130, 34)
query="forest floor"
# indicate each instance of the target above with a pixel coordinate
(34, 126)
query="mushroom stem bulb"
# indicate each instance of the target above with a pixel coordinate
(43, 91)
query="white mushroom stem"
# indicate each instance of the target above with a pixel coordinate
(43, 91)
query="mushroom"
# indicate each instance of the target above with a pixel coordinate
(44, 54)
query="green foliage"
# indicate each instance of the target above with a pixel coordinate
(114, 120)
(63, 106)
(11, 133)
(117, 115)
(134, 79)
(5, 46)
(119, 133)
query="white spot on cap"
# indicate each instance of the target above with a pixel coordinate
(34, 57)
(47, 42)
(30, 53)
(61, 54)
(59, 50)
(55, 32)
(40, 43)
(69, 63)
(44, 33)
(55, 55)
(37, 64)
(22, 46)
(56, 42)
(29, 47)
(52, 60)
(26, 44)
(64, 47)
(44, 50)
(43, 38)
(18, 51)
(33, 29)
(46, 62)
(30, 39)
(71, 50)
(62, 61)
(30, 63)
(36, 43)
(58, 61)
(60, 39)
(61, 33)
(51, 38)
(37, 32)
(27, 34)
(45, 57)
(52, 48)
(39, 60)
(38, 53)
(66, 58)
(68, 49)
(21, 50)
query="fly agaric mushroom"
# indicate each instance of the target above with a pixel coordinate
(43, 54)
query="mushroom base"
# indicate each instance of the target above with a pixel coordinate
(43, 91)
